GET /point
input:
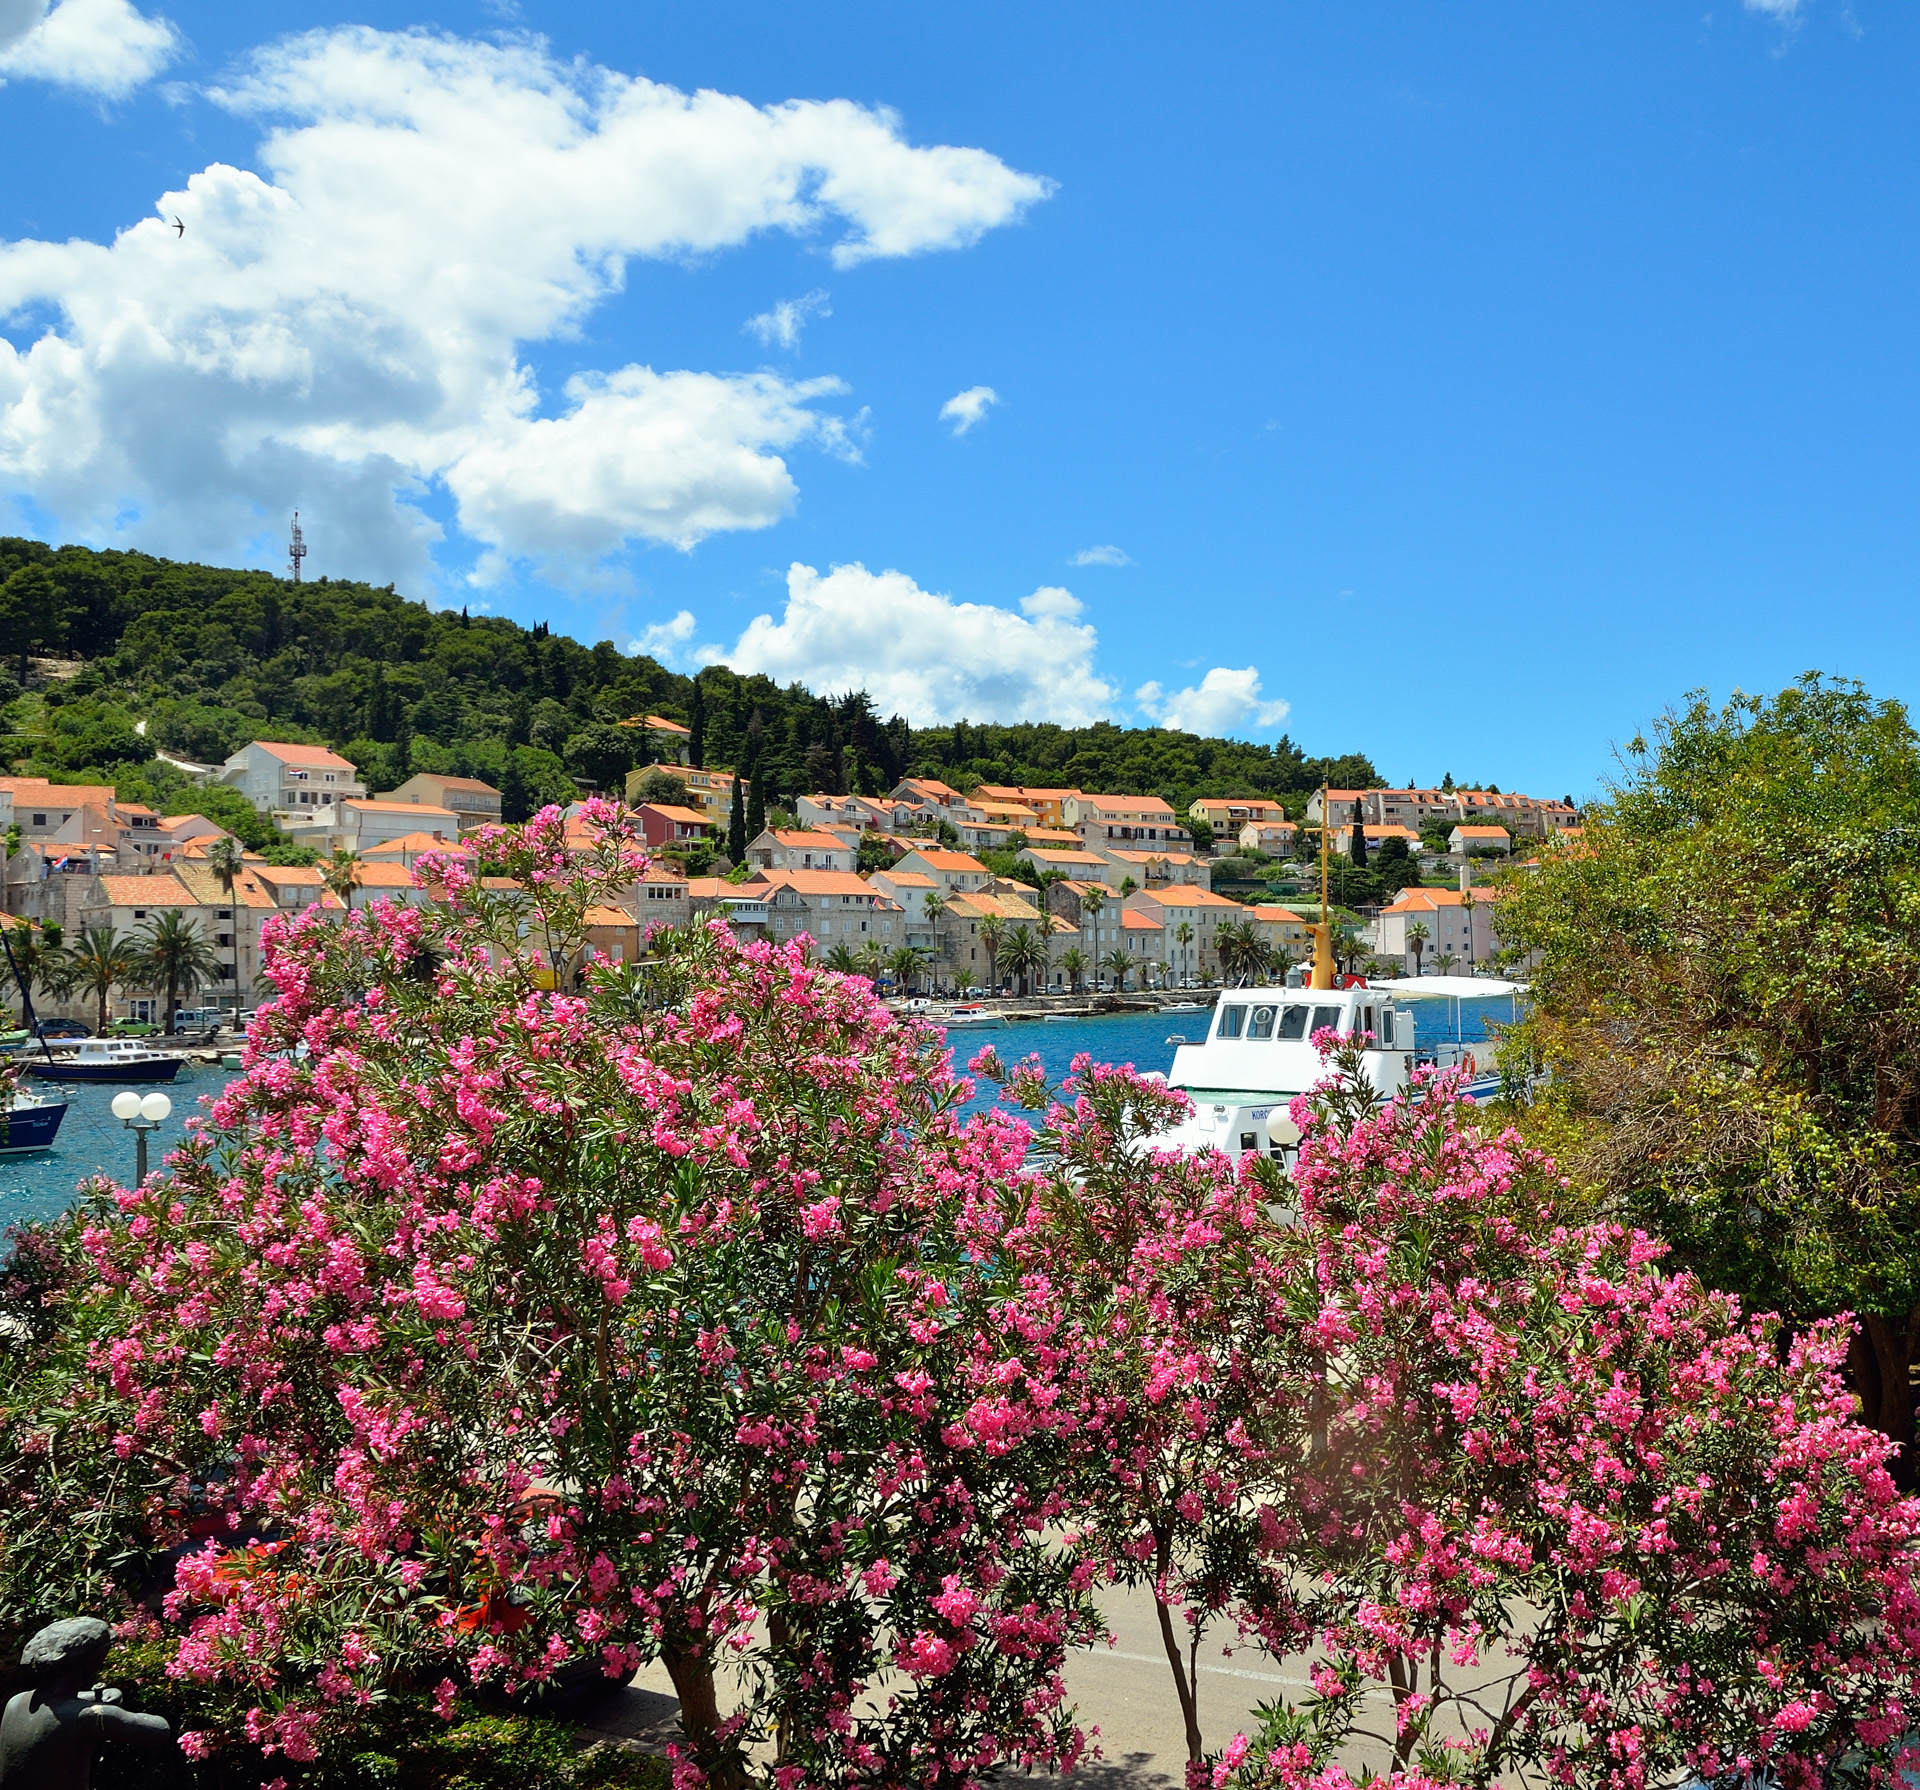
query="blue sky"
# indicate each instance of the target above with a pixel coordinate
(1461, 385)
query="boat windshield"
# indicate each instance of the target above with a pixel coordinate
(1293, 1023)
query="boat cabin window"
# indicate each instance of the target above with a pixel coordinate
(1293, 1025)
(1260, 1023)
(1230, 1022)
(1325, 1018)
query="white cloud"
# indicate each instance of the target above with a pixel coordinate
(924, 655)
(1783, 10)
(101, 46)
(1099, 556)
(966, 408)
(782, 325)
(342, 330)
(1225, 704)
(664, 640)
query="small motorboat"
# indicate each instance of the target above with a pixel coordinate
(105, 1059)
(30, 1122)
(972, 1016)
(1061, 1019)
(1186, 1007)
(1178, 1038)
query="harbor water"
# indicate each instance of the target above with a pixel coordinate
(93, 1142)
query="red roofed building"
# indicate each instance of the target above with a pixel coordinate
(291, 783)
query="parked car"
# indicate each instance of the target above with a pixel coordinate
(62, 1028)
(196, 1019)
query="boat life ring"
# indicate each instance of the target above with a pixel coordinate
(1467, 1063)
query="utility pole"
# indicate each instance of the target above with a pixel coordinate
(296, 549)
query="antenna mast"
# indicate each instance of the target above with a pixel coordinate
(1323, 933)
(296, 549)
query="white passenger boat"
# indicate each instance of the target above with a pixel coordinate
(1258, 1055)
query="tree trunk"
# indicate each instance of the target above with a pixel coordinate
(700, 1712)
(1882, 1363)
(1183, 1680)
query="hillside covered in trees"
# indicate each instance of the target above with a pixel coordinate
(193, 661)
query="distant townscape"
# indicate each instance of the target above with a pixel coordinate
(224, 745)
(1004, 887)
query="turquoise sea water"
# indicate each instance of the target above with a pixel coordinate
(92, 1141)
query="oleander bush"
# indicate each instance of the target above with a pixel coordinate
(489, 1333)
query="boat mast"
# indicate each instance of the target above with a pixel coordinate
(1323, 933)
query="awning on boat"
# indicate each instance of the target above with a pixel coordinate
(1453, 988)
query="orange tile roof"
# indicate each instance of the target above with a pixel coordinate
(1431, 900)
(1144, 804)
(1187, 895)
(672, 811)
(1062, 836)
(313, 758)
(147, 891)
(1042, 855)
(1480, 832)
(950, 860)
(907, 879)
(1133, 922)
(800, 837)
(415, 842)
(609, 916)
(471, 784)
(1279, 916)
(293, 876)
(816, 882)
(367, 805)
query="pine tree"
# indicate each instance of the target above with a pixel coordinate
(737, 826)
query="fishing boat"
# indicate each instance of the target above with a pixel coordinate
(105, 1059)
(1184, 1007)
(972, 1016)
(30, 1122)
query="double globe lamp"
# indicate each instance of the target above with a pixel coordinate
(141, 1113)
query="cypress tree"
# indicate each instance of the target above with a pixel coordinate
(737, 826)
(697, 742)
(756, 807)
(1359, 853)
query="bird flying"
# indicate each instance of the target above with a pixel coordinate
(179, 229)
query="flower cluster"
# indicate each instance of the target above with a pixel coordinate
(661, 1320)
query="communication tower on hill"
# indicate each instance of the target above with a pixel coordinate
(296, 549)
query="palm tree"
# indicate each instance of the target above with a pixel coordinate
(102, 958)
(1183, 937)
(963, 979)
(933, 905)
(226, 858)
(341, 874)
(993, 934)
(1444, 963)
(907, 963)
(40, 958)
(1118, 965)
(841, 958)
(1417, 936)
(175, 955)
(1073, 964)
(1021, 954)
(870, 960)
(1239, 947)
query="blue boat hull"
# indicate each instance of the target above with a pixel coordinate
(157, 1069)
(32, 1128)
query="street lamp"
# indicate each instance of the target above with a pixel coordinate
(141, 1114)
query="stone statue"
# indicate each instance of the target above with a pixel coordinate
(48, 1735)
